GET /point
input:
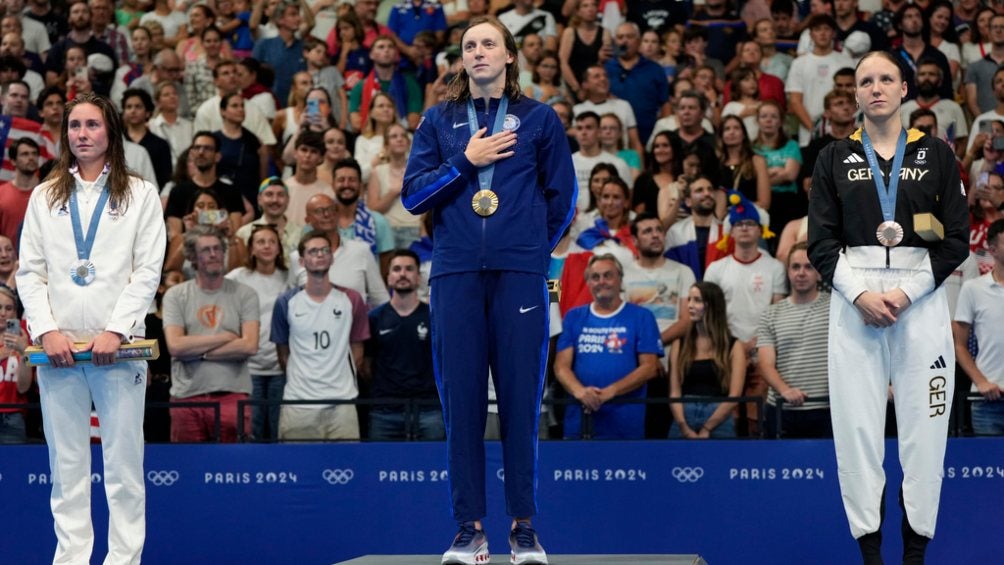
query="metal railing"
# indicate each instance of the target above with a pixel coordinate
(411, 408)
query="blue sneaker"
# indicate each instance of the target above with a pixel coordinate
(470, 547)
(526, 549)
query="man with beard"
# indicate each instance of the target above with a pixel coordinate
(659, 285)
(910, 22)
(14, 195)
(355, 220)
(687, 241)
(354, 266)
(211, 328)
(690, 135)
(318, 330)
(400, 354)
(951, 119)
(80, 34)
(204, 152)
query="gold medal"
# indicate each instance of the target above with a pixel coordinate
(889, 234)
(485, 203)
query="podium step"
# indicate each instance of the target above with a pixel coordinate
(552, 559)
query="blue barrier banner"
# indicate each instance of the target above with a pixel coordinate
(764, 502)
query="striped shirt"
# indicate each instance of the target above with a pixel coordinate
(798, 333)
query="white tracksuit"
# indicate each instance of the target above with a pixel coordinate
(916, 353)
(128, 255)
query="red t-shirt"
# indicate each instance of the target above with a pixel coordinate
(13, 203)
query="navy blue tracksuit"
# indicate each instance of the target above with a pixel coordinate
(488, 292)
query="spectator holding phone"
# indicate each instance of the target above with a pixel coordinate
(15, 376)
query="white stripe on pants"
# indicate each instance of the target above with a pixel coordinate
(119, 399)
(862, 362)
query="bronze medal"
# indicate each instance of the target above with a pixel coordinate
(889, 234)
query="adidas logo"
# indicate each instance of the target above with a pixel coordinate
(939, 363)
(854, 158)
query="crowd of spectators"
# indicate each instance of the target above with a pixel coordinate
(278, 132)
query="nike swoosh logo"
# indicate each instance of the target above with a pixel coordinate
(524, 310)
(457, 125)
(385, 332)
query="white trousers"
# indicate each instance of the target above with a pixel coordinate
(118, 392)
(917, 356)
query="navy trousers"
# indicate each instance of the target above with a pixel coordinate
(497, 319)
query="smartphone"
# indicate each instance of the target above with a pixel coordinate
(80, 72)
(212, 217)
(313, 108)
(984, 178)
(13, 326)
(986, 127)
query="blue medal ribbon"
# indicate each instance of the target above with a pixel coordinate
(85, 243)
(887, 197)
(486, 173)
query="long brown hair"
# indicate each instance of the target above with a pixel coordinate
(460, 86)
(746, 153)
(717, 327)
(63, 183)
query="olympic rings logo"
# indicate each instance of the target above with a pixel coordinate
(338, 476)
(163, 478)
(688, 474)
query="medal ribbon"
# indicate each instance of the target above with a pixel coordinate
(887, 198)
(486, 173)
(85, 243)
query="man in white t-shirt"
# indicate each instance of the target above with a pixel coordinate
(596, 90)
(587, 127)
(952, 125)
(981, 309)
(811, 75)
(354, 265)
(751, 280)
(208, 118)
(319, 330)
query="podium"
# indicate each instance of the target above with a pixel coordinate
(503, 558)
